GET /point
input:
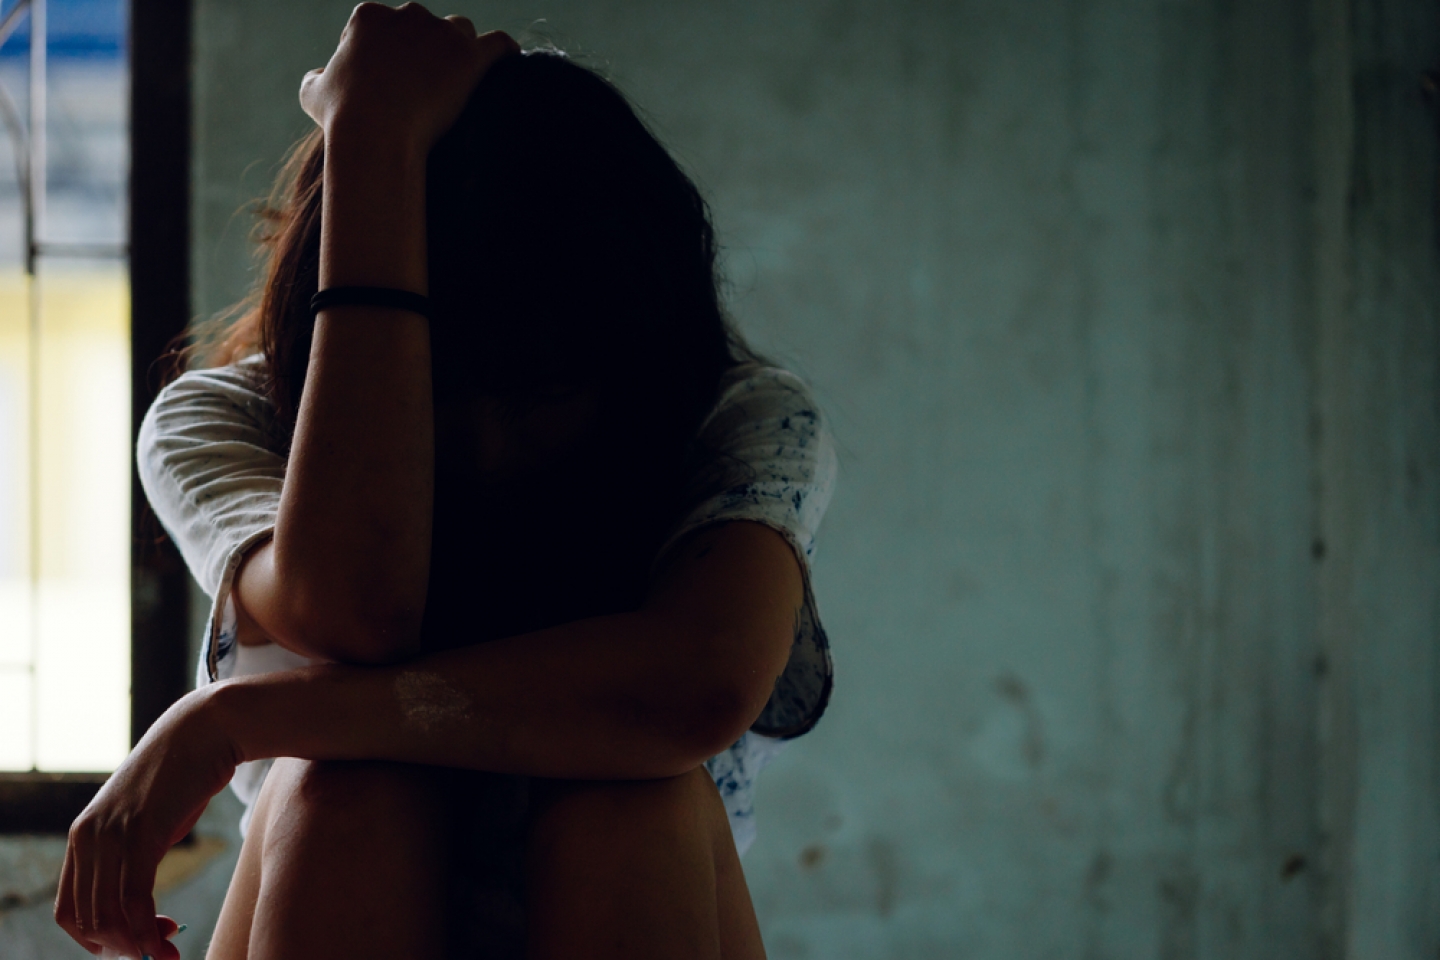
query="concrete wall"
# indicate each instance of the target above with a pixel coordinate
(1125, 317)
(1378, 473)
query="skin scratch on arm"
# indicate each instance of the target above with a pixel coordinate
(427, 700)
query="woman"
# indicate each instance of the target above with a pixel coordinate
(510, 588)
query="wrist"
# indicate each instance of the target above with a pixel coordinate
(217, 715)
(354, 143)
(373, 231)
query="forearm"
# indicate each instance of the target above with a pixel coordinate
(645, 694)
(618, 697)
(352, 540)
(350, 555)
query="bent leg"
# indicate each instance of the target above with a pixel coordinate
(636, 869)
(341, 860)
(231, 940)
(739, 929)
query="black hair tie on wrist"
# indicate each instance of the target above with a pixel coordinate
(370, 297)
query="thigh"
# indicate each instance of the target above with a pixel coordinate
(735, 914)
(231, 940)
(636, 869)
(341, 860)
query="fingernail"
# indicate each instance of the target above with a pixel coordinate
(147, 957)
(182, 928)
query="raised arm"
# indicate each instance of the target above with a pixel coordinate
(345, 575)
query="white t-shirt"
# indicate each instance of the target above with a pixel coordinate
(208, 461)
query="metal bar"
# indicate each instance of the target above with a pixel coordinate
(86, 251)
(32, 299)
(35, 210)
(12, 20)
(15, 127)
(39, 97)
(20, 136)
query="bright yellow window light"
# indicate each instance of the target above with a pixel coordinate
(64, 518)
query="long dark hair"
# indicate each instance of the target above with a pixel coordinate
(568, 251)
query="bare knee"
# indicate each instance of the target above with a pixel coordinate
(345, 795)
(625, 869)
(673, 808)
(363, 783)
(347, 841)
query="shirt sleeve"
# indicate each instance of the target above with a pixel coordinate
(207, 462)
(772, 461)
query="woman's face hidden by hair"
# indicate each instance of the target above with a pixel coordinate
(499, 442)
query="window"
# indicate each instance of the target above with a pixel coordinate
(92, 601)
(64, 371)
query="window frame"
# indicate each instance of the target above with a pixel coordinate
(159, 36)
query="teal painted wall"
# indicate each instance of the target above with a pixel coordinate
(1054, 271)
(1124, 314)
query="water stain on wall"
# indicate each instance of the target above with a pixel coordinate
(1009, 740)
(885, 864)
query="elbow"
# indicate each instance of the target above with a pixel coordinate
(739, 678)
(369, 635)
(719, 715)
(721, 688)
(368, 617)
(371, 649)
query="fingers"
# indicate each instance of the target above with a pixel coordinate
(66, 910)
(83, 880)
(414, 10)
(494, 46)
(65, 903)
(137, 900)
(105, 898)
(401, 73)
(65, 892)
(308, 92)
(500, 39)
(463, 23)
(363, 10)
(104, 917)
